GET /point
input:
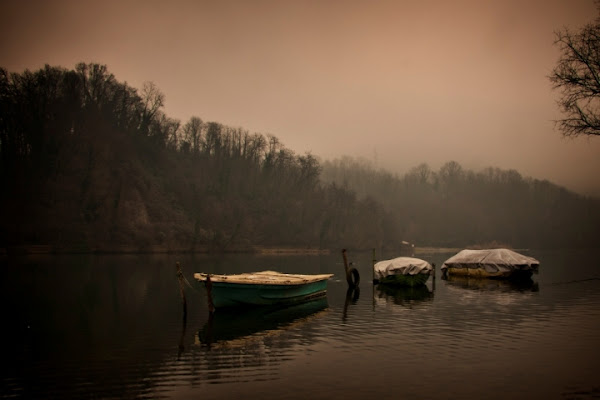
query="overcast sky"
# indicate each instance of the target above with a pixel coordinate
(396, 82)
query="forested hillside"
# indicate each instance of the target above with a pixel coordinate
(457, 207)
(88, 163)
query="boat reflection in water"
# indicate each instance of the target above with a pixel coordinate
(238, 326)
(495, 285)
(404, 296)
(492, 295)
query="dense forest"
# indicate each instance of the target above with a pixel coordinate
(88, 163)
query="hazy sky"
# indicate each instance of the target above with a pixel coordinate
(396, 82)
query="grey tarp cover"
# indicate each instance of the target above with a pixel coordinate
(401, 265)
(492, 260)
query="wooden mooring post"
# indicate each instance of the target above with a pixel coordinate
(352, 275)
(181, 278)
(374, 260)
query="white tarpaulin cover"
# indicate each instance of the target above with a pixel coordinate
(493, 260)
(401, 265)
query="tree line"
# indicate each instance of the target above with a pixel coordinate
(89, 163)
(456, 207)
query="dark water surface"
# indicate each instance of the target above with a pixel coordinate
(113, 327)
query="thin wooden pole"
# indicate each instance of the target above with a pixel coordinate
(182, 336)
(182, 289)
(352, 275)
(345, 261)
(433, 287)
(373, 281)
(373, 266)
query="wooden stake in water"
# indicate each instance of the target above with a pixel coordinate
(346, 268)
(352, 275)
(373, 266)
(433, 277)
(181, 288)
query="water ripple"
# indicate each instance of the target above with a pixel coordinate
(118, 333)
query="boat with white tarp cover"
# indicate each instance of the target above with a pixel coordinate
(491, 263)
(402, 271)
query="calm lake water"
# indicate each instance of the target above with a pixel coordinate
(113, 327)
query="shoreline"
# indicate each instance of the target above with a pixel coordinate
(24, 250)
(157, 249)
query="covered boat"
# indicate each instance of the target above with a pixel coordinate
(491, 263)
(402, 271)
(262, 288)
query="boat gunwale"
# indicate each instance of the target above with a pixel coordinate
(266, 278)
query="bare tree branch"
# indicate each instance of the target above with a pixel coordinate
(577, 76)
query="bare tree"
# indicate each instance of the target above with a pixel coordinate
(192, 131)
(152, 100)
(577, 76)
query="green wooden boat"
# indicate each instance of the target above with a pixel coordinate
(262, 288)
(402, 271)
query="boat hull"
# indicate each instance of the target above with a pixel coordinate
(226, 294)
(405, 280)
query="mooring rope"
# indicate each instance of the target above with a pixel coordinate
(574, 281)
(182, 278)
(187, 282)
